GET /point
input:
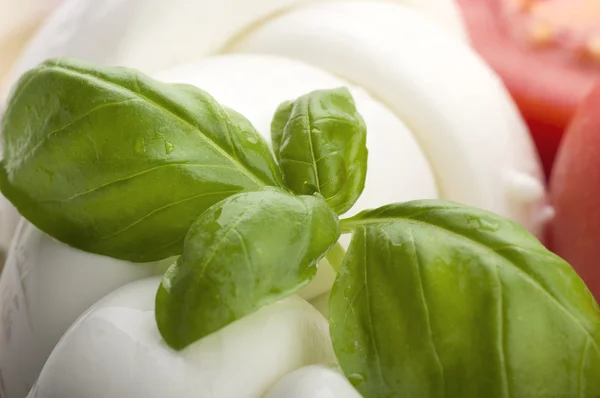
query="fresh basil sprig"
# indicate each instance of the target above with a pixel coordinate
(436, 299)
(243, 253)
(113, 162)
(432, 299)
(320, 143)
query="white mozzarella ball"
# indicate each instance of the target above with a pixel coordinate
(44, 288)
(115, 351)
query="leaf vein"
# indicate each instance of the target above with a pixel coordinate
(245, 250)
(501, 334)
(370, 316)
(104, 185)
(309, 123)
(243, 168)
(527, 277)
(295, 161)
(146, 216)
(78, 119)
(584, 354)
(436, 355)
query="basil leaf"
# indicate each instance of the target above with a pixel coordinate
(243, 253)
(436, 299)
(320, 142)
(282, 115)
(113, 162)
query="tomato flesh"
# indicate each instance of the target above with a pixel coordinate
(546, 52)
(574, 192)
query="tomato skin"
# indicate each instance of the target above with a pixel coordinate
(547, 82)
(575, 192)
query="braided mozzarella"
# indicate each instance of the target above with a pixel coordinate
(440, 124)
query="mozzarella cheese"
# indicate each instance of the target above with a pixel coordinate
(439, 122)
(153, 35)
(45, 286)
(313, 382)
(253, 85)
(457, 109)
(115, 351)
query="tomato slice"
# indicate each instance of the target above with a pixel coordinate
(574, 192)
(546, 52)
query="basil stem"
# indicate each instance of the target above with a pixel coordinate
(335, 256)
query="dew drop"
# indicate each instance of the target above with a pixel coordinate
(140, 146)
(482, 225)
(488, 225)
(169, 147)
(356, 379)
(252, 139)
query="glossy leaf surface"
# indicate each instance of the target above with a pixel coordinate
(320, 142)
(113, 162)
(436, 299)
(243, 253)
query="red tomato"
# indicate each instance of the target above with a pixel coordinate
(547, 53)
(575, 194)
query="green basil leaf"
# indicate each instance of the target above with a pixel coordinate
(436, 299)
(113, 162)
(282, 115)
(320, 142)
(243, 253)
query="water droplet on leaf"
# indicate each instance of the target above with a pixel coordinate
(488, 225)
(251, 139)
(169, 147)
(356, 379)
(140, 146)
(482, 224)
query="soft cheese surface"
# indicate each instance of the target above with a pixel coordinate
(241, 360)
